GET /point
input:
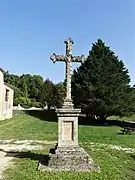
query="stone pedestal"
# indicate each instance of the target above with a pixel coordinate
(67, 155)
(68, 159)
(68, 127)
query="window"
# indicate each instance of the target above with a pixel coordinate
(7, 95)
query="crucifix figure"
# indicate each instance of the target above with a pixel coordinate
(68, 59)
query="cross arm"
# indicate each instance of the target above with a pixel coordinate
(78, 58)
(55, 58)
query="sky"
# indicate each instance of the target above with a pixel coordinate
(32, 30)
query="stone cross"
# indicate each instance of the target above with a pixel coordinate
(68, 59)
(67, 155)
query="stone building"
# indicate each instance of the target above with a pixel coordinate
(6, 98)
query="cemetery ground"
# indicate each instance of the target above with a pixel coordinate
(115, 153)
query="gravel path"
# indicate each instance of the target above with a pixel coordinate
(4, 162)
(17, 145)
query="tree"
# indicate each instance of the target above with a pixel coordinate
(12, 79)
(59, 94)
(46, 93)
(26, 86)
(23, 101)
(33, 84)
(129, 107)
(101, 84)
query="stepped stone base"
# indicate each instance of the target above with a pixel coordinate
(68, 159)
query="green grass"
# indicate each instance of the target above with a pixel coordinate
(28, 127)
(105, 134)
(115, 165)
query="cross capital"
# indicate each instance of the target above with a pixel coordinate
(69, 43)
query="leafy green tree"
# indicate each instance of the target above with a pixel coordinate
(22, 101)
(24, 87)
(46, 94)
(101, 84)
(17, 92)
(33, 84)
(12, 79)
(59, 94)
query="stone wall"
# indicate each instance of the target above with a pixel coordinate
(6, 99)
(1, 92)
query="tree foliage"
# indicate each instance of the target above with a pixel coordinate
(101, 84)
(59, 94)
(32, 90)
(46, 93)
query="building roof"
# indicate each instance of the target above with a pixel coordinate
(8, 85)
(2, 70)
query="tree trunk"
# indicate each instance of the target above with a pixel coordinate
(103, 119)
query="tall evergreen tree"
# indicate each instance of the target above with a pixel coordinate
(101, 83)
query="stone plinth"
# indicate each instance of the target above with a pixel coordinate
(68, 159)
(67, 155)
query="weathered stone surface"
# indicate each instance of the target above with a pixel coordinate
(68, 156)
(68, 127)
(68, 159)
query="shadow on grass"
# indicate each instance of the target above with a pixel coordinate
(51, 116)
(28, 155)
(42, 159)
(133, 156)
(93, 122)
(45, 115)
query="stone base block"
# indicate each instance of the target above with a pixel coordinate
(68, 159)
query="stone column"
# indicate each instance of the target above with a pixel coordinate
(68, 80)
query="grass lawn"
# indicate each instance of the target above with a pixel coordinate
(39, 128)
(28, 127)
(115, 165)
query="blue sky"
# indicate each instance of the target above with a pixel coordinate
(31, 30)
